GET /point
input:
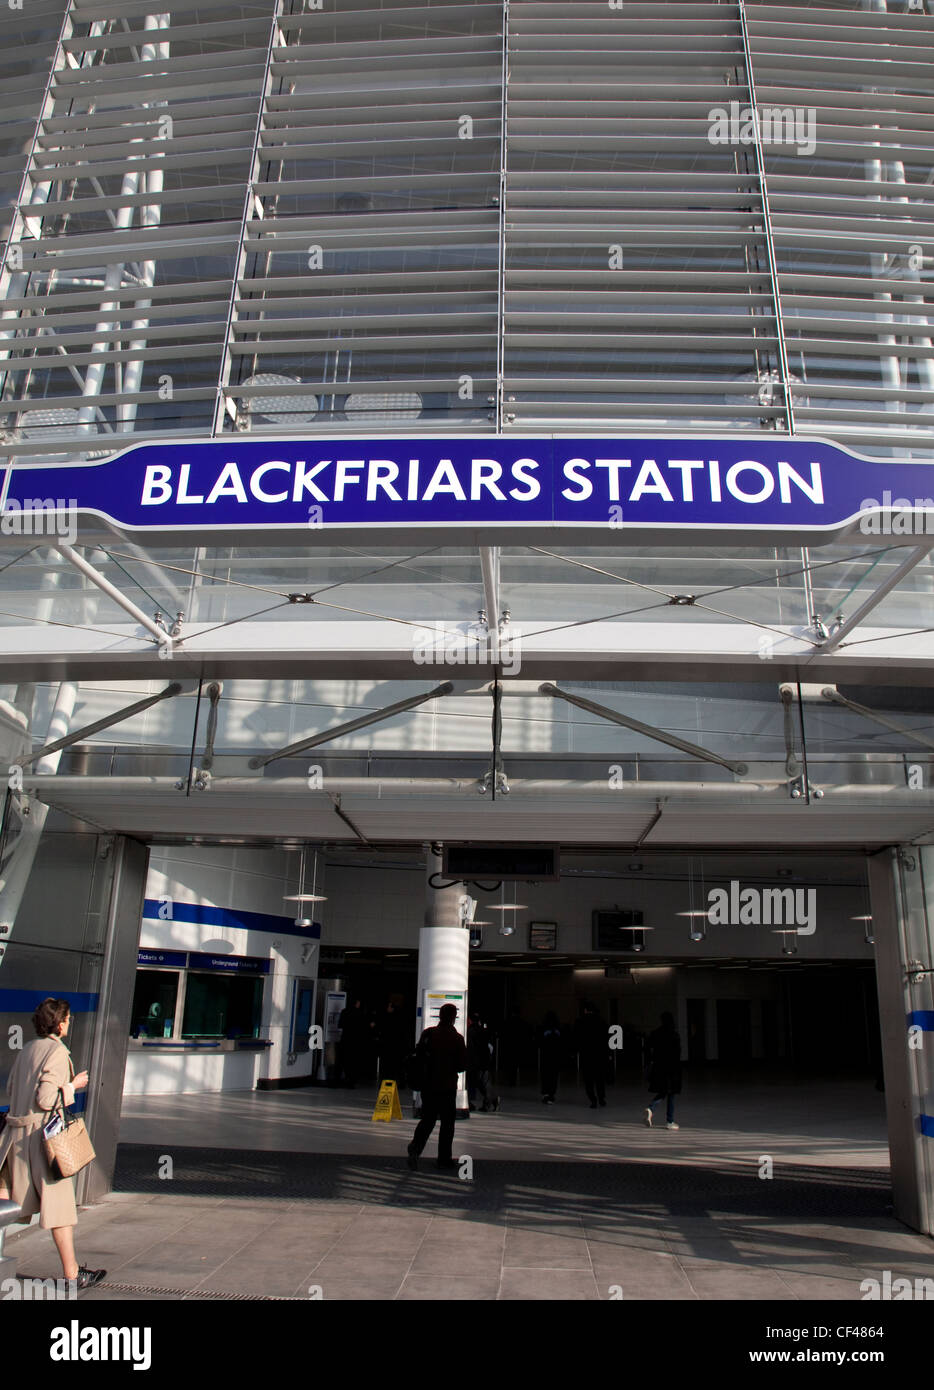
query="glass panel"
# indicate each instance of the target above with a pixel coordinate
(219, 1007)
(155, 1002)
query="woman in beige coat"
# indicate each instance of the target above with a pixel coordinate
(40, 1072)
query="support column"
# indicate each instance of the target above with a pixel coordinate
(443, 952)
(18, 868)
(107, 1062)
(901, 885)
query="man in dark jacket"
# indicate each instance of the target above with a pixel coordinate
(664, 1059)
(441, 1055)
(351, 1050)
(592, 1048)
(479, 1055)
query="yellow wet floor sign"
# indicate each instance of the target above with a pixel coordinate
(387, 1102)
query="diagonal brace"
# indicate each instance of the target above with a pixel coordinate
(672, 740)
(80, 563)
(374, 717)
(835, 698)
(175, 688)
(875, 598)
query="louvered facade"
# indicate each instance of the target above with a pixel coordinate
(325, 215)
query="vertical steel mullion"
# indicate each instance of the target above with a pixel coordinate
(58, 62)
(223, 379)
(501, 281)
(18, 220)
(808, 585)
(16, 286)
(150, 215)
(767, 220)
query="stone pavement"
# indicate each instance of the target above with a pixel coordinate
(315, 1200)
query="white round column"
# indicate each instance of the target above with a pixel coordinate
(443, 955)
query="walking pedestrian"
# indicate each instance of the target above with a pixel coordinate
(592, 1049)
(41, 1077)
(550, 1046)
(440, 1057)
(664, 1070)
(479, 1058)
(515, 1039)
(352, 1048)
(392, 1038)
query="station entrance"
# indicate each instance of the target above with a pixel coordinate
(223, 920)
(780, 1037)
(217, 957)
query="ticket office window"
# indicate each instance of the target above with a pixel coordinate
(156, 1004)
(222, 1006)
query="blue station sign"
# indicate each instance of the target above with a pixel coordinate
(177, 959)
(229, 965)
(488, 487)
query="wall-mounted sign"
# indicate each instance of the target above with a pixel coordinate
(177, 959)
(432, 1002)
(230, 965)
(619, 930)
(543, 936)
(747, 484)
(334, 1005)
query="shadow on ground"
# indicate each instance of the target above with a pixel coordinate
(575, 1190)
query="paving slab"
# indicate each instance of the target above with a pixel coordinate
(467, 1287)
(564, 1285)
(564, 1204)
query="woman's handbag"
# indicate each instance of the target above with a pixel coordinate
(68, 1145)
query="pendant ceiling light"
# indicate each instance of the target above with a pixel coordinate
(301, 896)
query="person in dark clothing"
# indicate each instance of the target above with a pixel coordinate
(592, 1047)
(440, 1055)
(664, 1070)
(392, 1044)
(550, 1045)
(352, 1048)
(515, 1041)
(479, 1056)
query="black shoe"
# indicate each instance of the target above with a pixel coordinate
(412, 1160)
(447, 1164)
(87, 1278)
(593, 1105)
(603, 1102)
